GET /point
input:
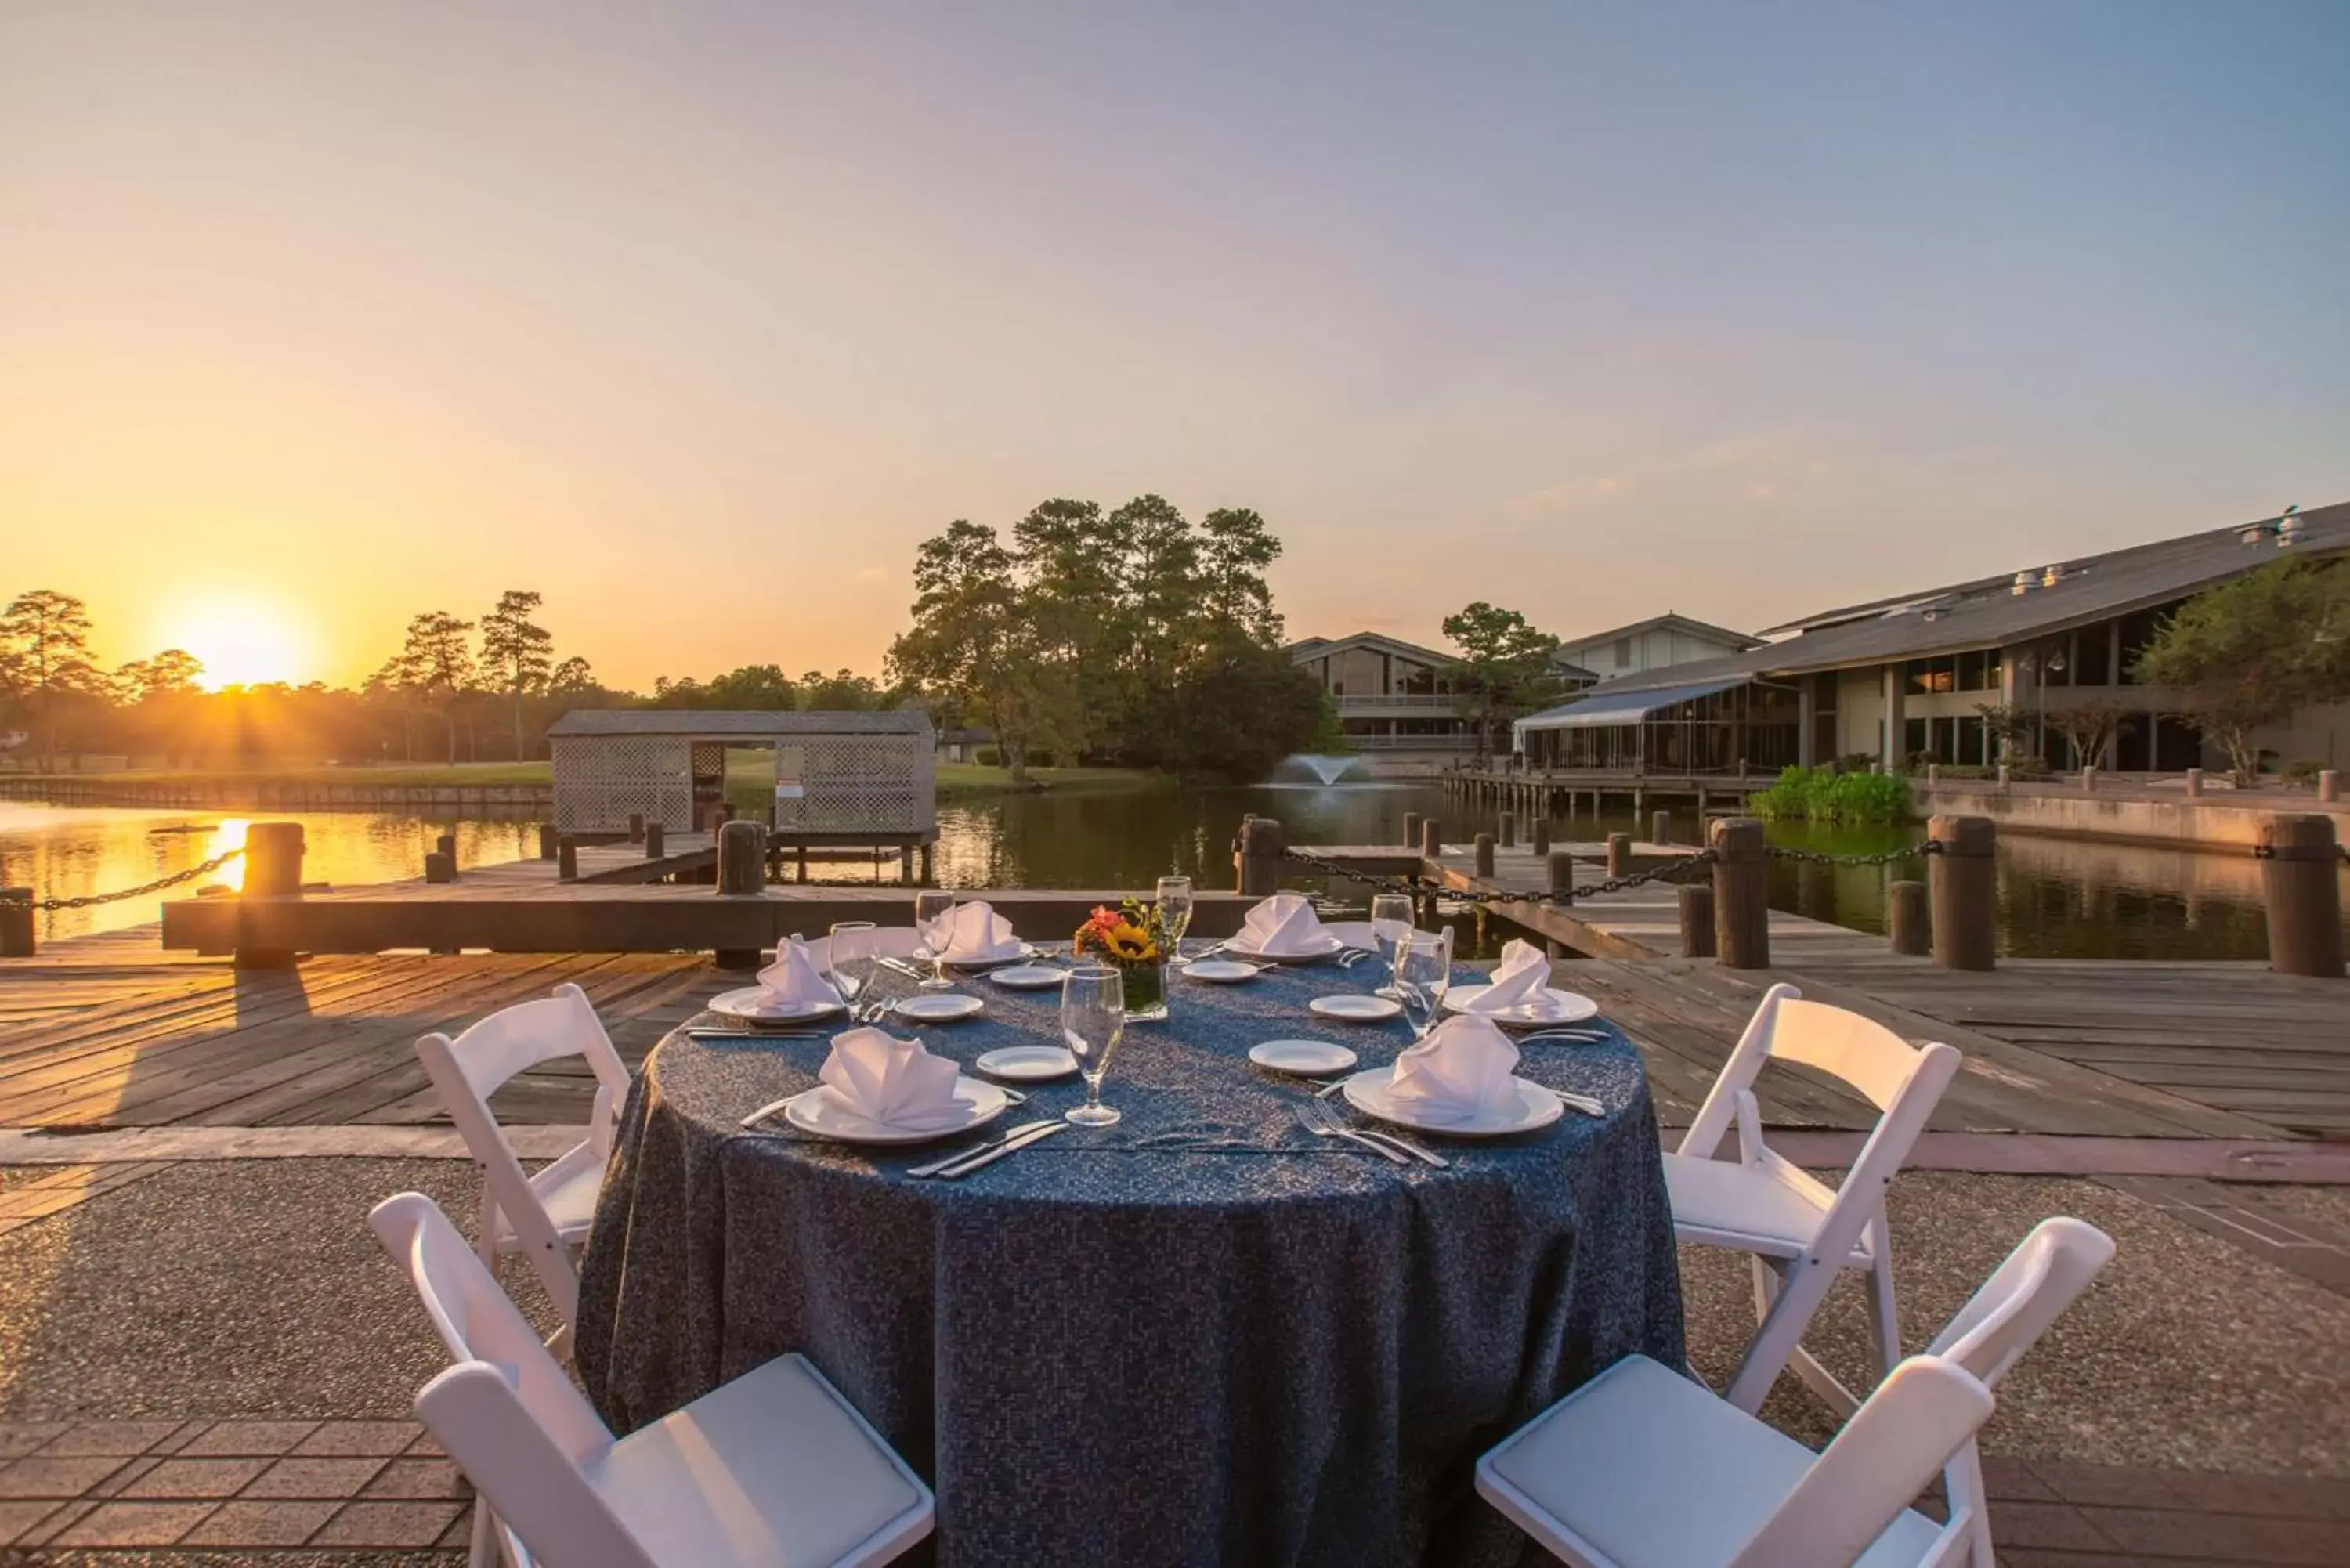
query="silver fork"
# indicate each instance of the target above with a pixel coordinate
(1331, 1116)
(1320, 1128)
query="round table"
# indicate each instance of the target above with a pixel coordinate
(1200, 1337)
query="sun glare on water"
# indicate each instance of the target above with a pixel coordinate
(238, 643)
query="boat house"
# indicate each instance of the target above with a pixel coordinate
(815, 778)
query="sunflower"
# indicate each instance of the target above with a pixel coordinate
(1129, 944)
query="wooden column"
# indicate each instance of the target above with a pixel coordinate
(2194, 782)
(2329, 786)
(439, 867)
(1619, 854)
(1508, 837)
(1661, 827)
(2089, 779)
(1906, 921)
(1411, 828)
(1256, 857)
(1697, 919)
(2005, 776)
(656, 841)
(1562, 876)
(2299, 873)
(1542, 836)
(1741, 892)
(566, 859)
(18, 937)
(742, 858)
(1962, 881)
(636, 827)
(273, 869)
(1484, 848)
(548, 840)
(1431, 839)
(447, 845)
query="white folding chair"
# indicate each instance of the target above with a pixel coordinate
(1643, 1467)
(545, 1216)
(1800, 1232)
(774, 1468)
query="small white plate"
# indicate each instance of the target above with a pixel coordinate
(1562, 1007)
(1029, 977)
(754, 1002)
(1323, 945)
(1537, 1107)
(1027, 1064)
(1028, 953)
(1313, 1057)
(937, 1006)
(1222, 971)
(822, 1112)
(1356, 1009)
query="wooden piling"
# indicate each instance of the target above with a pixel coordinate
(566, 859)
(1484, 850)
(1741, 892)
(1962, 883)
(1619, 854)
(636, 827)
(1906, 921)
(1508, 837)
(2299, 873)
(1256, 857)
(439, 867)
(742, 858)
(1411, 828)
(2194, 782)
(273, 869)
(1562, 876)
(2329, 786)
(1661, 827)
(1542, 836)
(2005, 775)
(549, 839)
(1696, 901)
(18, 933)
(656, 841)
(447, 845)
(2089, 779)
(1431, 839)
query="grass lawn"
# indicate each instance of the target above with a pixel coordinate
(391, 774)
(969, 778)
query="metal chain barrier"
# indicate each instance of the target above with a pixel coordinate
(1815, 858)
(173, 880)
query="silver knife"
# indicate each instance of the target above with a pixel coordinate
(772, 1106)
(959, 1155)
(1009, 1145)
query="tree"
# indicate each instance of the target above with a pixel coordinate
(45, 635)
(171, 673)
(436, 662)
(1234, 550)
(2251, 651)
(517, 654)
(1505, 668)
(2008, 724)
(573, 678)
(2089, 726)
(1243, 708)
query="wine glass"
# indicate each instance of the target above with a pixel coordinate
(852, 958)
(1174, 900)
(1391, 922)
(1093, 1018)
(1423, 974)
(934, 917)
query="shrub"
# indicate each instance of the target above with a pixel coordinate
(1816, 795)
(989, 757)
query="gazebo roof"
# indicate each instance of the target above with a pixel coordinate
(721, 724)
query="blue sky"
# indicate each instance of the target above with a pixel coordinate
(1735, 309)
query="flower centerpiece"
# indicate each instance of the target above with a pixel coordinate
(1133, 938)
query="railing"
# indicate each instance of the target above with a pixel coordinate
(1418, 701)
(1460, 744)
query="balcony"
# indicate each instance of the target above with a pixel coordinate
(1397, 703)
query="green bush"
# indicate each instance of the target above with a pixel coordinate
(989, 757)
(1819, 794)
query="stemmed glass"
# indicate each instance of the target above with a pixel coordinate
(1093, 1018)
(1391, 922)
(1423, 974)
(1174, 899)
(933, 916)
(852, 958)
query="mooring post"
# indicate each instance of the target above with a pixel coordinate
(273, 869)
(1696, 900)
(742, 858)
(447, 845)
(1485, 848)
(2194, 783)
(1562, 876)
(1256, 857)
(656, 840)
(566, 859)
(2300, 875)
(636, 827)
(2089, 779)
(1542, 836)
(1411, 828)
(1741, 892)
(1508, 837)
(549, 840)
(1963, 886)
(1906, 922)
(1661, 827)
(2005, 775)
(18, 936)
(1933, 773)
(1619, 854)
(439, 867)
(1431, 839)
(2329, 786)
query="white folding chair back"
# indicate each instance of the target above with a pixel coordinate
(773, 1469)
(1800, 1232)
(544, 1216)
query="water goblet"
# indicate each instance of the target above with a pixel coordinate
(1174, 900)
(1093, 1019)
(1423, 974)
(1391, 922)
(852, 956)
(934, 918)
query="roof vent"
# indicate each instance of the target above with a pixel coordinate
(2289, 527)
(2022, 585)
(2051, 576)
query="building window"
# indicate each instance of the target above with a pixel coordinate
(1969, 747)
(1979, 671)
(2135, 632)
(2093, 648)
(1623, 653)
(1927, 676)
(1915, 738)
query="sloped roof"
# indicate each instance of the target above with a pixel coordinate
(1315, 647)
(1989, 613)
(721, 724)
(1671, 618)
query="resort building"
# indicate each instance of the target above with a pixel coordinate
(1392, 699)
(1904, 679)
(1650, 644)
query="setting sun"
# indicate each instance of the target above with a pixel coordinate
(239, 643)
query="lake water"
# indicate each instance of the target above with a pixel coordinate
(2057, 898)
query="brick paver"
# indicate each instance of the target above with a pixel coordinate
(351, 1438)
(133, 1524)
(193, 1477)
(230, 1438)
(243, 1523)
(388, 1524)
(314, 1478)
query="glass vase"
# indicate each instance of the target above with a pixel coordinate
(1145, 990)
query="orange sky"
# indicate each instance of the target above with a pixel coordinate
(315, 315)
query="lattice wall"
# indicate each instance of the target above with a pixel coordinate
(852, 783)
(600, 781)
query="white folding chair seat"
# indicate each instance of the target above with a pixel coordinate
(1799, 1232)
(567, 1190)
(1644, 1467)
(774, 1470)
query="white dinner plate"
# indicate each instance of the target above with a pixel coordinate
(1309, 1056)
(937, 1006)
(1028, 1063)
(1029, 977)
(1537, 1107)
(1222, 971)
(822, 1111)
(1029, 952)
(1323, 945)
(1355, 1008)
(1561, 1007)
(753, 1003)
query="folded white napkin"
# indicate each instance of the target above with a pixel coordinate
(894, 1082)
(1521, 979)
(1460, 1075)
(1282, 924)
(973, 933)
(795, 977)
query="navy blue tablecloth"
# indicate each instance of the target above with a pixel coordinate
(1199, 1336)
